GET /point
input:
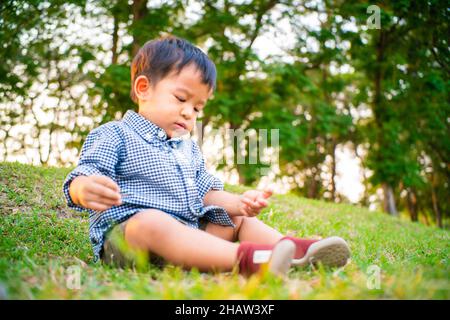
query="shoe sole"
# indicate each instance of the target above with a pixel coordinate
(330, 252)
(282, 255)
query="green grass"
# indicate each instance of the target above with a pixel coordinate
(42, 241)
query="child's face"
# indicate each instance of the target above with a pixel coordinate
(174, 103)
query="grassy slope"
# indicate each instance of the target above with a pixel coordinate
(41, 239)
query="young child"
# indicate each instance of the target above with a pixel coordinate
(140, 177)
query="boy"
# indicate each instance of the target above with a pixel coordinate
(138, 176)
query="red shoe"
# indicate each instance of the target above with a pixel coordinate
(278, 257)
(331, 252)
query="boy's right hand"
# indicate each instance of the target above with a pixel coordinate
(98, 193)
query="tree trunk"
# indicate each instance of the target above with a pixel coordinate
(333, 171)
(379, 109)
(425, 215)
(115, 39)
(242, 179)
(139, 10)
(436, 209)
(5, 148)
(365, 180)
(412, 205)
(312, 187)
(389, 200)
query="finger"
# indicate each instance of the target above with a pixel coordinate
(107, 182)
(104, 192)
(100, 199)
(262, 203)
(248, 202)
(245, 210)
(267, 193)
(254, 205)
(250, 212)
(247, 213)
(97, 206)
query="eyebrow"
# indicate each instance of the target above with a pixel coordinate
(189, 93)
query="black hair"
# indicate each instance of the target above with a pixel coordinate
(158, 58)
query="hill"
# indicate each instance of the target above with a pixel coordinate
(44, 245)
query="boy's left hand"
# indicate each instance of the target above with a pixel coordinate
(253, 201)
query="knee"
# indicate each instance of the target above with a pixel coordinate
(239, 221)
(146, 224)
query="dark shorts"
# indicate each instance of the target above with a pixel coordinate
(113, 253)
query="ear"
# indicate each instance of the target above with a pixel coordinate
(142, 88)
(211, 94)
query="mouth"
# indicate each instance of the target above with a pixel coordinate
(181, 125)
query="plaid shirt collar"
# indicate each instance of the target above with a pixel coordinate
(147, 129)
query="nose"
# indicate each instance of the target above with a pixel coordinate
(187, 112)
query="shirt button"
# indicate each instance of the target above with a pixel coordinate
(161, 134)
(190, 182)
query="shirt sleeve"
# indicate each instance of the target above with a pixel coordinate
(204, 180)
(99, 156)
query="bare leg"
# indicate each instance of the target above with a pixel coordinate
(247, 229)
(253, 229)
(157, 232)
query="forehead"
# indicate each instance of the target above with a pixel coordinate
(189, 78)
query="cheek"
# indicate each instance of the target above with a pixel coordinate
(166, 100)
(168, 106)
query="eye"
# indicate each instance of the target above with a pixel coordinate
(196, 110)
(180, 99)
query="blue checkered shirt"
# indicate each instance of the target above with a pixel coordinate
(151, 170)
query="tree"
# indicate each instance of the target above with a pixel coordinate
(404, 64)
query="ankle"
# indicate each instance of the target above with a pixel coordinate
(251, 256)
(301, 244)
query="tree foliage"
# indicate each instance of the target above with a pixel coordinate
(339, 83)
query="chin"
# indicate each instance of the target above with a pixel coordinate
(175, 134)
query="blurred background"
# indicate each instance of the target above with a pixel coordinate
(358, 91)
